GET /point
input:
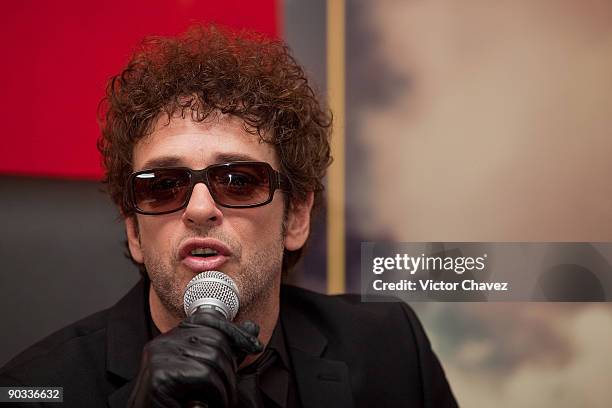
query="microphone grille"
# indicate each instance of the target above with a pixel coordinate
(212, 288)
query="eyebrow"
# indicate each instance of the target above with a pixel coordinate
(175, 161)
(231, 157)
(166, 161)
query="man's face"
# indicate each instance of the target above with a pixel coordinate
(250, 240)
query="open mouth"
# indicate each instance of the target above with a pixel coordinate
(203, 252)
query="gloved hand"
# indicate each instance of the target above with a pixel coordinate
(195, 361)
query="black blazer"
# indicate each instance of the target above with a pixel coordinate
(344, 354)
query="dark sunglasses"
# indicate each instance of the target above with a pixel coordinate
(234, 185)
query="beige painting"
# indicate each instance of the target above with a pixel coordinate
(482, 120)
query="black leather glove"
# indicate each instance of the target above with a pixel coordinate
(196, 361)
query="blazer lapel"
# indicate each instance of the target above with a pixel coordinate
(126, 335)
(120, 397)
(321, 382)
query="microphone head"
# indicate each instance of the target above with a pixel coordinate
(212, 289)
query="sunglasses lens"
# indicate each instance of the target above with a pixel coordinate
(161, 190)
(240, 184)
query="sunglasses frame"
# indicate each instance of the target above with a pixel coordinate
(277, 181)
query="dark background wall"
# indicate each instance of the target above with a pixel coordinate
(61, 250)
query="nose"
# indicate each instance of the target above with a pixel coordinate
(201, 209)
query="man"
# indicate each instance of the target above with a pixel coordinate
(215, 148)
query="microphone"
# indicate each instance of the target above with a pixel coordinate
(212, 291)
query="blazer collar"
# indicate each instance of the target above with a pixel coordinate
(126, 335)
(321, 382)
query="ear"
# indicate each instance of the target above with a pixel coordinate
(298, 223)
(131, 230)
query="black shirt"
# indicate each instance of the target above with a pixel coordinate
(274, 374)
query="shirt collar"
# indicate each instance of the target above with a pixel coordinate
(277, 343)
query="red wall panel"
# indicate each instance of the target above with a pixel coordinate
(58, 56)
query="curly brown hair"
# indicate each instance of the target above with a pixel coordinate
(211, 70)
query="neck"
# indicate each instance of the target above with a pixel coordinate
(265, 314)
(162, 318)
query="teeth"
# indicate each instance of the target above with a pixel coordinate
(203, 252)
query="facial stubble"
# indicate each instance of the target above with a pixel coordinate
(255, 279)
